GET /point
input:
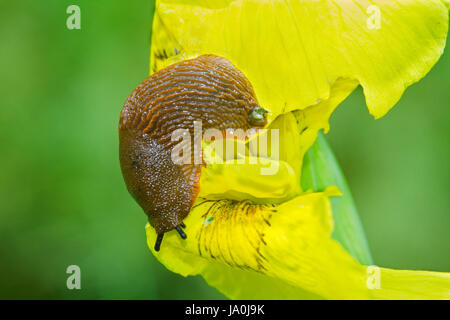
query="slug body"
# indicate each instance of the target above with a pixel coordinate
(207, 89)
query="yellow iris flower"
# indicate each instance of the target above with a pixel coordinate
(256, 236)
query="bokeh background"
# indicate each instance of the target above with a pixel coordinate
(62, 197)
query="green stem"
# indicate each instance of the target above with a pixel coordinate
(320, 170)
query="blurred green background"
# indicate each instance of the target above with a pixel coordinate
(63, 200)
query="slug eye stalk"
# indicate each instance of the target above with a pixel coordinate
(160, 237)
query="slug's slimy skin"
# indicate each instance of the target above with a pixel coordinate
(207, 89)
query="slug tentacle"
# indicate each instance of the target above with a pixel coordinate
(208, 90)
(159, 239)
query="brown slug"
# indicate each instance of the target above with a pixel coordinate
(209, 89)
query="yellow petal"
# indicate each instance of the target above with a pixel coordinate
(293, 52)
(252, 251)
(447, 3)
(240, 181)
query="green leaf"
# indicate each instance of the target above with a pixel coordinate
(320, 170)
